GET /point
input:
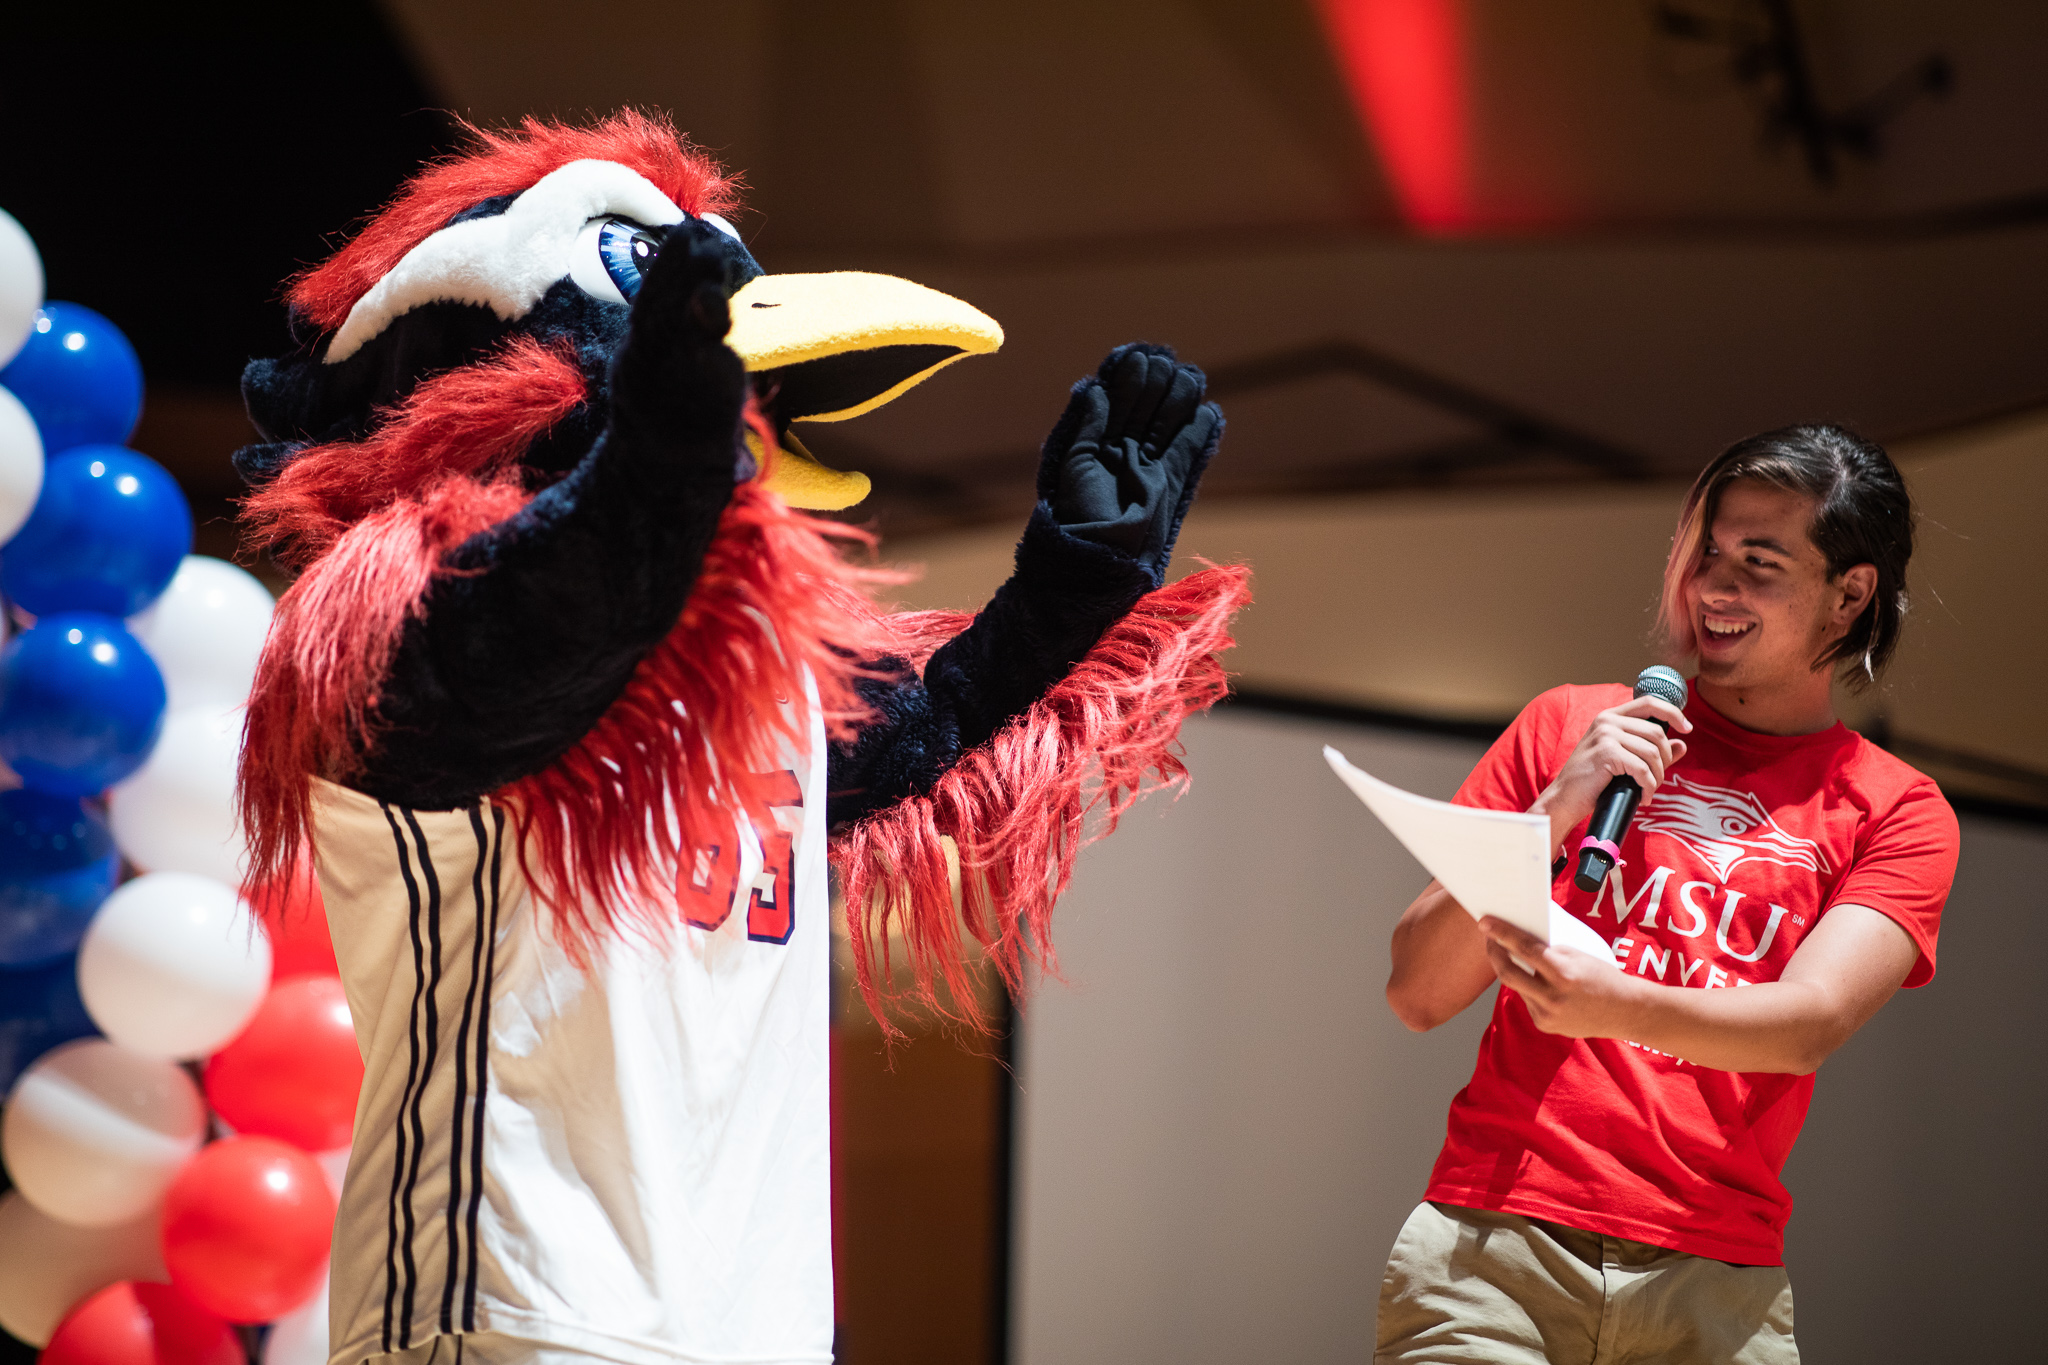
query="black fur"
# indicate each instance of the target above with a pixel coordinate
(518, 653)
(1065, 593)
(488, 208)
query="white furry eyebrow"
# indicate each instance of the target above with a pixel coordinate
(505, 262)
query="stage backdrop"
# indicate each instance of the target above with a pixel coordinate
(1221, 1125)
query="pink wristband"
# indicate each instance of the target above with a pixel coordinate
(1606, 846)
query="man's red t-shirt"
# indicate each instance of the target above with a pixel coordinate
(1728, 865)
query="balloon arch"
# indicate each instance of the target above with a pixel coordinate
(179, 1070)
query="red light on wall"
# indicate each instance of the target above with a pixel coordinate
(1405, 63)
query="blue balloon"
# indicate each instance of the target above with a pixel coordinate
(78, 377)
(81, 703)
(57, 863)
(108, 532)
(39, 1008)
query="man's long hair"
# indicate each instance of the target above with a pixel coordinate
(1862, 515)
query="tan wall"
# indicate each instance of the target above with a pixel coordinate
(1466, 605)
(1976, 649)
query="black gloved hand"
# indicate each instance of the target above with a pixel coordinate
(1123, 461)
(674, 373)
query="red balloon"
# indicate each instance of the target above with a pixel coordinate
(296, 917)
(293, 1073)
(247, 1226)
(134, 1323)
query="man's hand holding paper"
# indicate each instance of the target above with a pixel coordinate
(1496, 864)
(1566, 990)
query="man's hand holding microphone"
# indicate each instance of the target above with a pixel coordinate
(1622, 758)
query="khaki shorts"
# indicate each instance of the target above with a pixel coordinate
(1467, 1285)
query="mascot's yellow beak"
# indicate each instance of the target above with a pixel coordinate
(796, 476)
(828, 347)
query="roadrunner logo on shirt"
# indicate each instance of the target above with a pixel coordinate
(1725, 827)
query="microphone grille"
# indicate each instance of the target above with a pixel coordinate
(1663, 683)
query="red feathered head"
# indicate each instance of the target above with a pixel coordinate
(499, 165)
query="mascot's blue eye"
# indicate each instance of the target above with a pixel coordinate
(627, 250)
(610, 256)
(613, 254)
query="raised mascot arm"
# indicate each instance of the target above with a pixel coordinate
(1114, 482)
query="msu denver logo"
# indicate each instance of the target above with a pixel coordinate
(1725, 827)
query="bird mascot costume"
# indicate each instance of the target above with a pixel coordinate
(571, 708)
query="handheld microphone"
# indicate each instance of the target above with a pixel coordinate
(1600, 850)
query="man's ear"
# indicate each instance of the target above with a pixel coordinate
(1854, 587)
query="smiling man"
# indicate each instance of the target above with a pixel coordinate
(1609, 1188)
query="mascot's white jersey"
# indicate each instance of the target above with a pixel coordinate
(629, 1161)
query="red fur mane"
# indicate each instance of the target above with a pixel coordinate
(369, 522)
(505, 162)
(1020, 808)
(699, 731)
(472, 423)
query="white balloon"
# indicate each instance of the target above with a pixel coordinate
(21, 464)
(334, 1165)
(93, 1133)
(47, 1268)
(300, 1336)
(206, 632)
(173, 965)
(21, 285)
(177, 813)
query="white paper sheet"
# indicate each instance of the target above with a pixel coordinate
(1493, 862)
